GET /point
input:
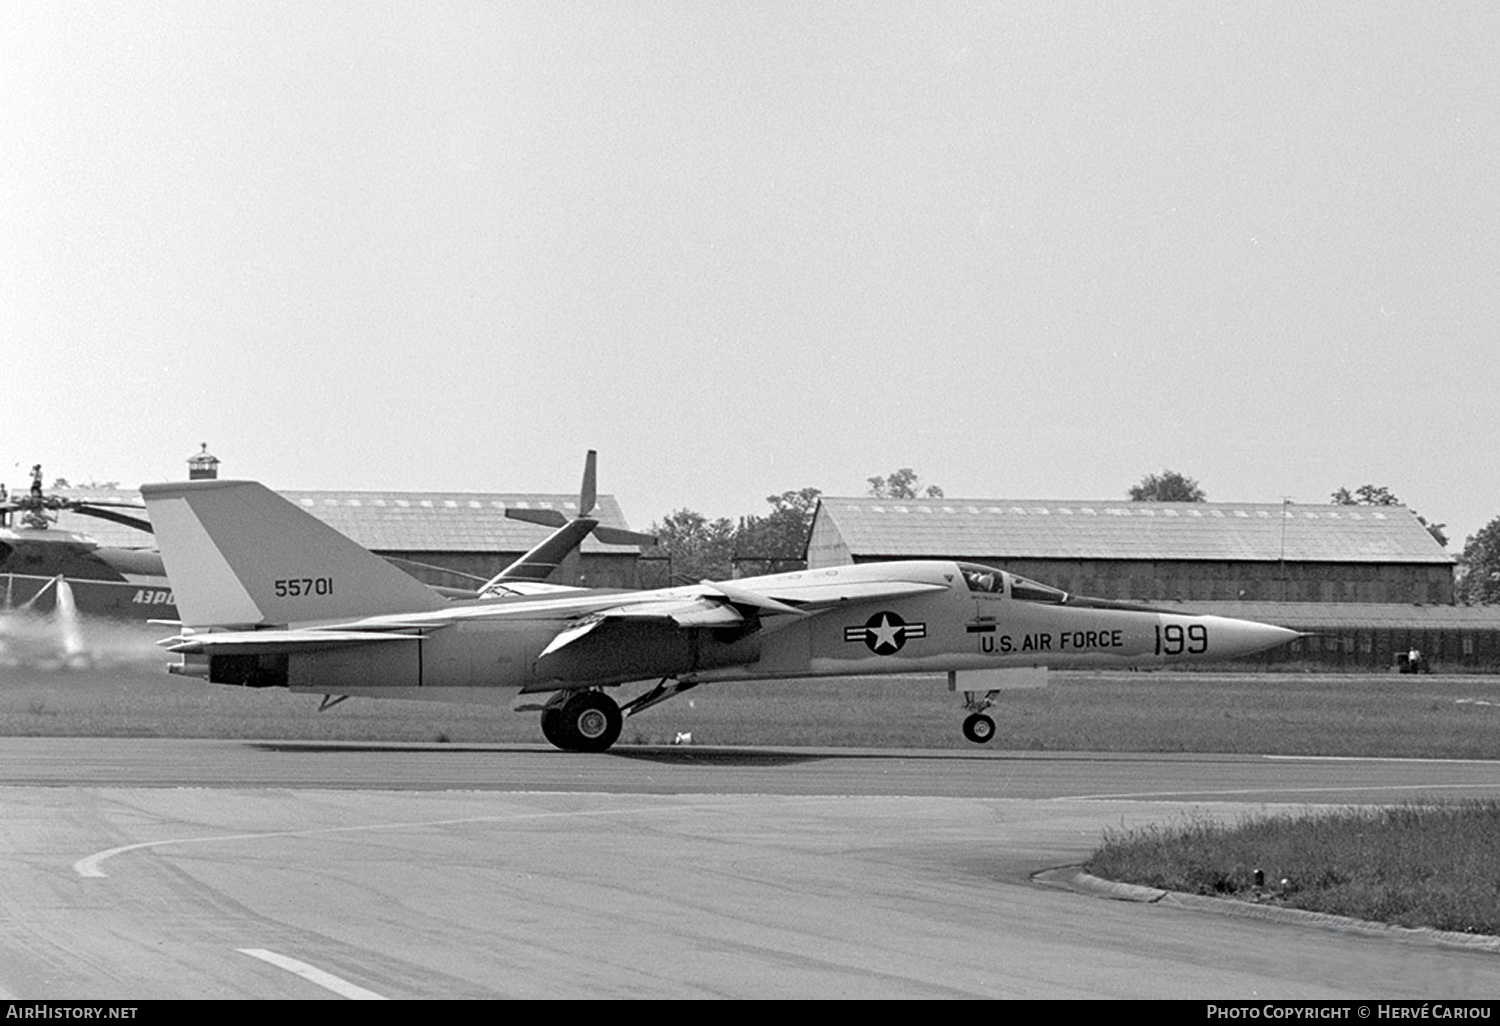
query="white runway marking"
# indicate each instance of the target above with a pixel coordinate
(312, 973)
(89, 866)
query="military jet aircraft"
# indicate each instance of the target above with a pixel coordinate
(273, 597)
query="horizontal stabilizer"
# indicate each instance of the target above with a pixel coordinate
(386, 625)
(270, 642)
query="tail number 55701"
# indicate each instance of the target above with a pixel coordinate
(291, 587)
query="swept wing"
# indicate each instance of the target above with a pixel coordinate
(724, 604)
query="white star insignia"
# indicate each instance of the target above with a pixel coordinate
(886, 633)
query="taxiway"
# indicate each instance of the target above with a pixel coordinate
(139, 869)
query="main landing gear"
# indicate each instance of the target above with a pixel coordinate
(582, 721)
(978, 727)
(590, 721)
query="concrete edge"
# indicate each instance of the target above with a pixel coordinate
(1073, 878)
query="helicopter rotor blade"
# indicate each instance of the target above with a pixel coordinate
(97, 511)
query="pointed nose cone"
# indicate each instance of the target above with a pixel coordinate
(1230, 638)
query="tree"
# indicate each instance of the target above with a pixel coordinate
(1479, 567)
(1365, 495)
(1168, 486)
(779, 538)
(902, 484)
(699, 549)
(1371, 495)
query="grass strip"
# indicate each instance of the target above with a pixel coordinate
(1427, 865)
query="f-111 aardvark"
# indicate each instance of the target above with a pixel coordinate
(270, 596)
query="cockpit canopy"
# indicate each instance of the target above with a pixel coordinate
(987, 579)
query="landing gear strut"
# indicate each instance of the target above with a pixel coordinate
(582, 721)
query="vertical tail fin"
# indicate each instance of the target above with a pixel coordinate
(239, 555)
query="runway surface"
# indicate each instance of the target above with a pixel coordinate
(139, 869)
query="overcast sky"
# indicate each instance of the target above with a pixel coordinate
(1030, 250)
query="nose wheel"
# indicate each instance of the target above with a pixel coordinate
(979, 728)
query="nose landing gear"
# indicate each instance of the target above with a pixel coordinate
(979, 688)
(978, 727)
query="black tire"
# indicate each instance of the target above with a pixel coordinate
(587, 721)
(552, 723)
(979, 728)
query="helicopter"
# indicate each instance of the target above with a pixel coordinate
(39, 556)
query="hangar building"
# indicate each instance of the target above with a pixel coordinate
(437, 537)
(1370, 582)
(469, 533)
(1153, 551)
(452, 539)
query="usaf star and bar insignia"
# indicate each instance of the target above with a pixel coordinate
(885, 633)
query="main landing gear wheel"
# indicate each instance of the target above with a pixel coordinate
(551, 728)
(979, 728)
(584, 721)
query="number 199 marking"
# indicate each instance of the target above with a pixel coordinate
(1174, 640)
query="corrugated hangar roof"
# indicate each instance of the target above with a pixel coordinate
(394, 521)
(449, 521)
(1081, 529)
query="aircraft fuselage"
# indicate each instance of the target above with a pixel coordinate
(950, 628)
